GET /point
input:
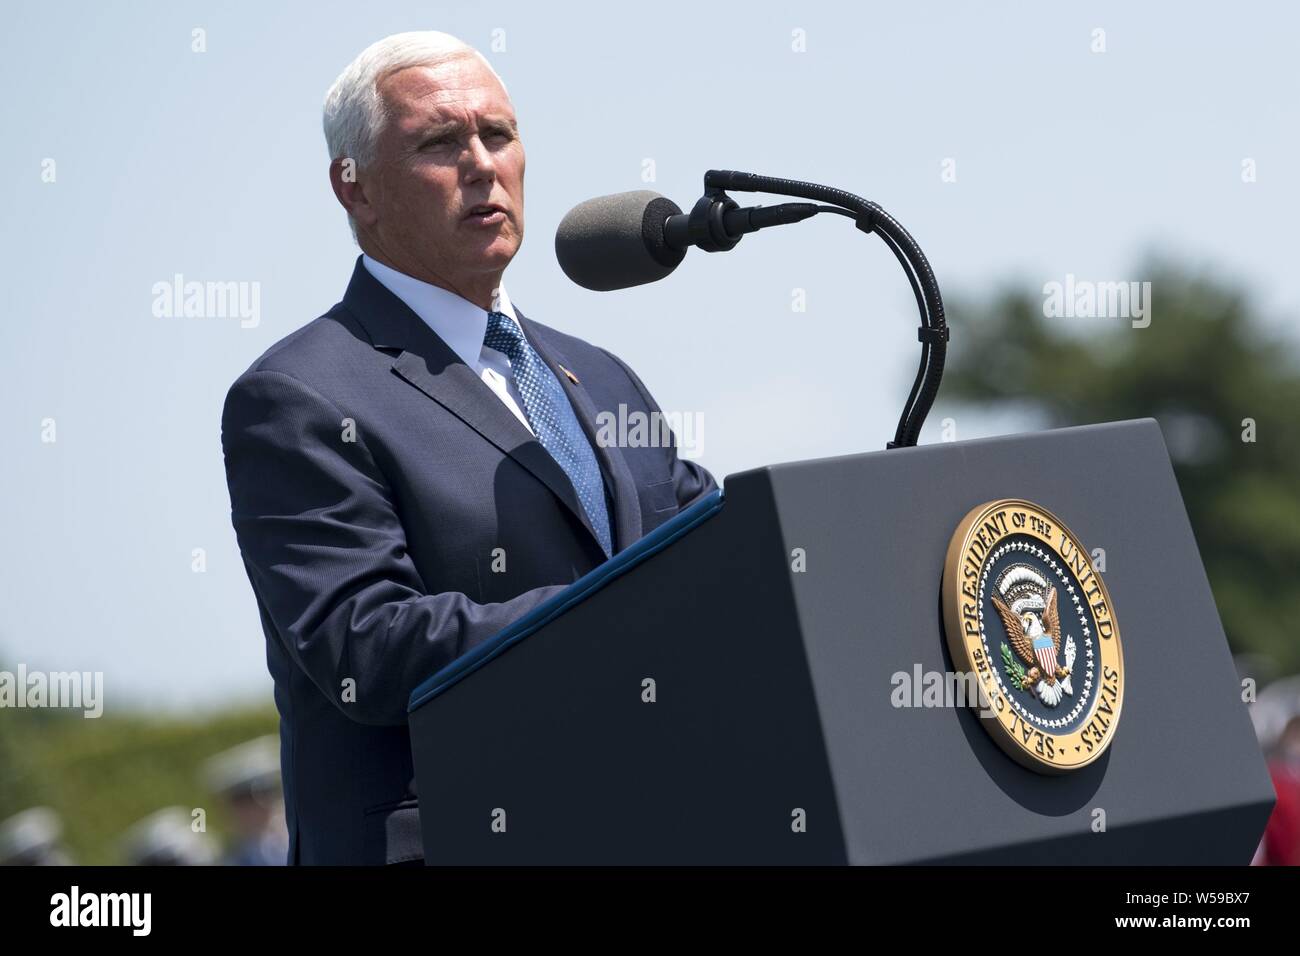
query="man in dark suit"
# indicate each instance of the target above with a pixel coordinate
(417, 468)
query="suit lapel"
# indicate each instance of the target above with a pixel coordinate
(426, 362)
(626, 519)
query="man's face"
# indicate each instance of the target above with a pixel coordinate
(450, 143)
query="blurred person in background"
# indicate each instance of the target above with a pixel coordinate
(247, 778)
(167, 838)
(1281, 843)
(31, 838)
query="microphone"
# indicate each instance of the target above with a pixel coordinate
(629, 239)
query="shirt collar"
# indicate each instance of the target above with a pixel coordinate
(457, 321)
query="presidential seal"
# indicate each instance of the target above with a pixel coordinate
(1027, 614)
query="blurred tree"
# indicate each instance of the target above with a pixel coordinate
(19, 786)
(1206, 369)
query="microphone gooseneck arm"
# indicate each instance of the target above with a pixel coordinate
(716, 224)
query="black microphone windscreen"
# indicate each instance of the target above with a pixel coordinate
(615, 242)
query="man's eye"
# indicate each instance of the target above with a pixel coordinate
(436, 141)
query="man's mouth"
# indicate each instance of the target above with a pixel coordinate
(485, 214)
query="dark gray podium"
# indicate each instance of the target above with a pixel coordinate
(773, 688)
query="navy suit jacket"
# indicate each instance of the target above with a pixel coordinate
(377, 485)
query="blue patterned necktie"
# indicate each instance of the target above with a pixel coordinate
(552, 418)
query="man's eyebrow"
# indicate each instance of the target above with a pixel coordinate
(455, 126)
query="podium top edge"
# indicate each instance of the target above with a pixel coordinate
(939, 447)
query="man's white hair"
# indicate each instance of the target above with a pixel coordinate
(354, 115)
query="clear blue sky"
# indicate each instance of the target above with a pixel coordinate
(212, 165)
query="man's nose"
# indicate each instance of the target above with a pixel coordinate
(476, 161)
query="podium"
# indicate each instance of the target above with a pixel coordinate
(697, 700)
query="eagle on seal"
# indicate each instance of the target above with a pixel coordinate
(1027, 605)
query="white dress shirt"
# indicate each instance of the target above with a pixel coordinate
(462, 325)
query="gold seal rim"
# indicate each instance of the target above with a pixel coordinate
(962, 660)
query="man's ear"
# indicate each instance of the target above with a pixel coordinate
(350, 188)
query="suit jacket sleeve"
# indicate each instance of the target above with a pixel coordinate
(690, 480)
(327, 553)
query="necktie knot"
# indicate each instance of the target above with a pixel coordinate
(503, 334)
